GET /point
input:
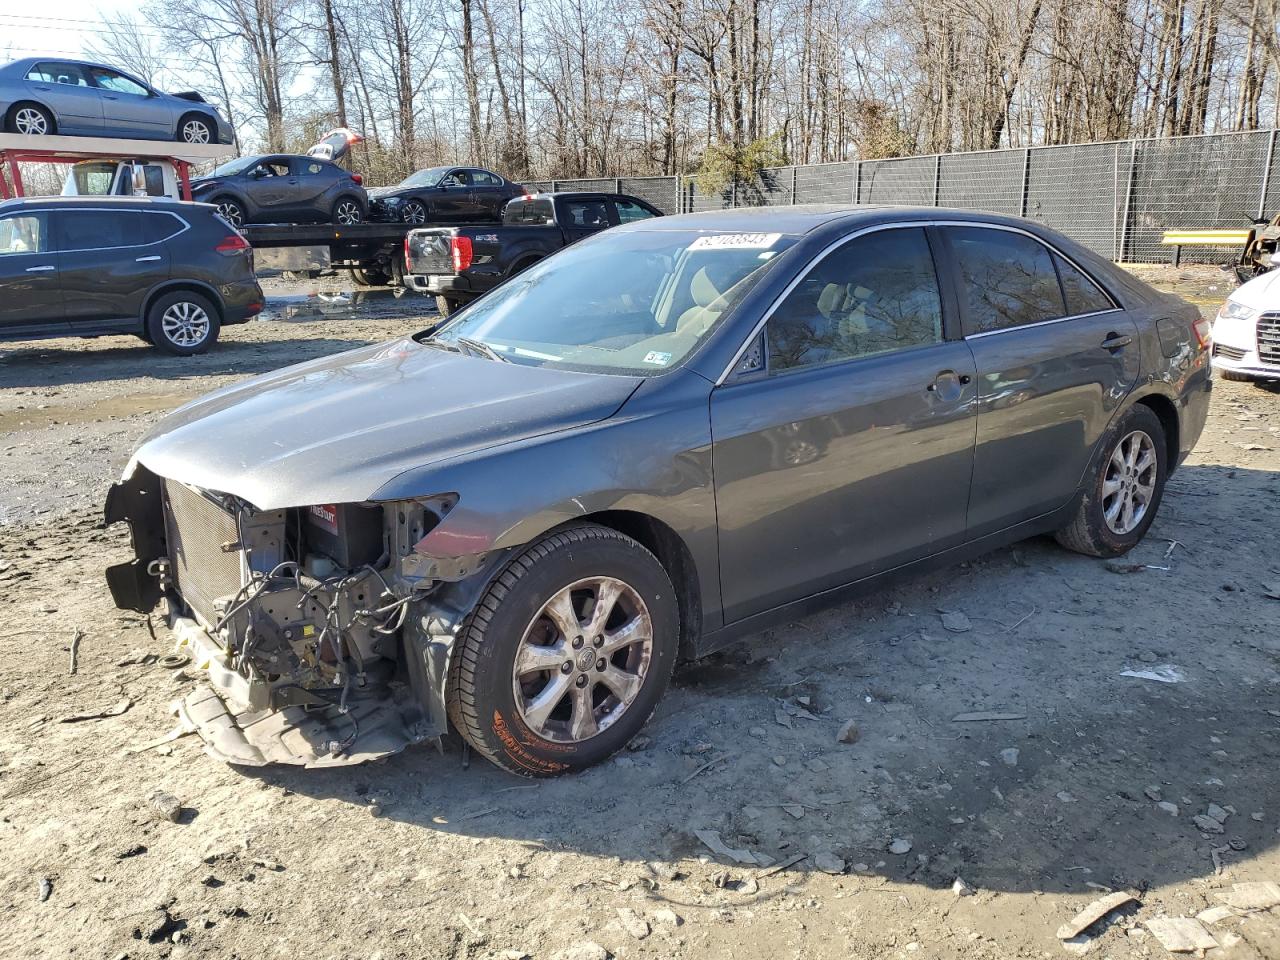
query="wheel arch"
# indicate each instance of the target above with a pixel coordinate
(197, 115)
(1167, 411)
(174, 286)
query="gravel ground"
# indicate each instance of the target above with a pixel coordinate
(420, 857)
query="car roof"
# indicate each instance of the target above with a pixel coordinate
(70, 203)
(801, 219)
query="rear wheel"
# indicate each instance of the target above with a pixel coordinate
(371, 275)
(182, 323)
(347, 212)
(231, 210)
(30, 120)
(196, 130)
(567, 653)
(447, 306)
(1124, 494)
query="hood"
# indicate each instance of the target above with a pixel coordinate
(377, 193)
(335, 430)
(1261, 293)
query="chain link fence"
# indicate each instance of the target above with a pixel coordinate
(1115, 198)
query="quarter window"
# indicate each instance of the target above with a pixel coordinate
(97, 229)
(629, 212)
(875, 294)
(310, 168)
(159, 226)
(23, 234)
(1007, 279)
(1081, 293)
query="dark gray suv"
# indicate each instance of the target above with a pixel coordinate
(662, 437)
(284, 188)
(172, 273)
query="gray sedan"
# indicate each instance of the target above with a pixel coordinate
(664, 437)
(41, 96)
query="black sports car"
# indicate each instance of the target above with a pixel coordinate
(284, 188)
(445, 195)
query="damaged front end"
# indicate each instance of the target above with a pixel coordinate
(324, 631)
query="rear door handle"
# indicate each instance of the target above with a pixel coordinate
(45, 269)
(1115, 341)
(151, 259)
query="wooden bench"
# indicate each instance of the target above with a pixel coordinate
(1202, 238)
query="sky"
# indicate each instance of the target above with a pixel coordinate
(67, 33)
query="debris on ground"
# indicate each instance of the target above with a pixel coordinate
(1093, 913)
(1257, 895)
(982, 715)
(955, 621)
(75, 652)
(1168, 807)
(1206, 824)
(120, 706)
(44, 889)
(1215, 915)
(586, 950)
(164, 806)
(848, 732)
(1181, 934)
(1009, 756)
(668, 918)
(1165, 673)
(636, 926)
(962, 889)
(828, 863)
(900, 846)
(711, 839)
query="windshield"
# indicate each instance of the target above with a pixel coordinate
(232, 167)
(426, 178)
(634, 302)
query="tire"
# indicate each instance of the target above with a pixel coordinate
(1091, 532)
(447, 306)
(183, 323)
(415, 211)
(523, 266)
(196, 129)
(539, 724)
(231, 209)
(347, 211)
(30, 119)
(371, 276)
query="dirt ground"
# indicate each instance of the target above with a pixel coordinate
(419, 857)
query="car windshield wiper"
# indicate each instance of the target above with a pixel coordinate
(482, 348)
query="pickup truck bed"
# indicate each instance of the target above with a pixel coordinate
(458, 264)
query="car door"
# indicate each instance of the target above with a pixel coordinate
(1055, 357)
(313, 183)
(849, 450)
(272, 189)
(30, 290)
(106, 264)
(581, 217)
(128, 108)
(65, 87)
(488, 195)
(453, 201)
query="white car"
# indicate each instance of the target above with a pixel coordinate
(1246, 333)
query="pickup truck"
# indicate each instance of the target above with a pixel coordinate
(458, 264)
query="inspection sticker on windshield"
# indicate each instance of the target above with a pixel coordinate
(657, 357)
(736, 241)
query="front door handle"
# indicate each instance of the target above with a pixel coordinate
(107, 96)
(151, 259)
(45, 269)
(1115, 341)
(946, 385)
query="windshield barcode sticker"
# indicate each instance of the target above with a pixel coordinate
(657, 357)
(736, 241)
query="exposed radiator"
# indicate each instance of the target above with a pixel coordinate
(198, 529)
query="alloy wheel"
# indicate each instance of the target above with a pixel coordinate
(185, 324)
(414, 212)
(348, 212)
(1129, 483)
(231, 212)
(31, 122)
(583, 660)
(195, 131)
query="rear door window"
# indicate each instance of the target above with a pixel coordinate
(483, 178)
(23, 233)
(64, 73)
(96, 229)
(629, 212)
(875, 294)
(1006, 279)
(1082, 294)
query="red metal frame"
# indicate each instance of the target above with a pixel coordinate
(11, 186)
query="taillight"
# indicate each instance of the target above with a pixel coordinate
(1203, 331)
(358, 179)
(407, 262)
(462, 253)
(232, 245)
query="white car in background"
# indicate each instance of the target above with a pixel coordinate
(1246, 332)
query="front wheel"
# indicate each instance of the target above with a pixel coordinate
(415, 211)
(196, 130)
(567, 653)
(1122, 498)
(182, 323)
